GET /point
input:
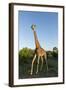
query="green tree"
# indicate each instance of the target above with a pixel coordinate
(25, 54)
(55, 52)
(49, 54)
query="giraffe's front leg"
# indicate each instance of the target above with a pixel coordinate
(38, 64)
(32, 64)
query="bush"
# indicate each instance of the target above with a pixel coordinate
(55, 54)
(49, 54)
(25, 54)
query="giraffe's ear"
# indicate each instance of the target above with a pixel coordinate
(32, 26)
(35, 26)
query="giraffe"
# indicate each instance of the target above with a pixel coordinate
(40, 52)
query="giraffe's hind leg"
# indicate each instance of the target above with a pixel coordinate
(46, 61)
(38, 64)
(42, 63)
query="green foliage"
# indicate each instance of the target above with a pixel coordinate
(25, 54)
(55, 49)
(53, 53)
(49, 54)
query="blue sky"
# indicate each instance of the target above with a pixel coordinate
(46, 29)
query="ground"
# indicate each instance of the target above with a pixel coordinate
(25, 67)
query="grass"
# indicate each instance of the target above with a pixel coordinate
(25, 67)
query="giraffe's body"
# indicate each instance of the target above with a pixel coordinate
(40, 52)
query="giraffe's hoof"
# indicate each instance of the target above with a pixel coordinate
(30, 73)
(36, 72)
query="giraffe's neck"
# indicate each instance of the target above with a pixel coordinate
(37, 44)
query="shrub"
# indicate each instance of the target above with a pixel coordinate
(25, 54)
(49, 54)
(55, 52)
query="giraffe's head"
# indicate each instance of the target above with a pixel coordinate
(33, 26)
